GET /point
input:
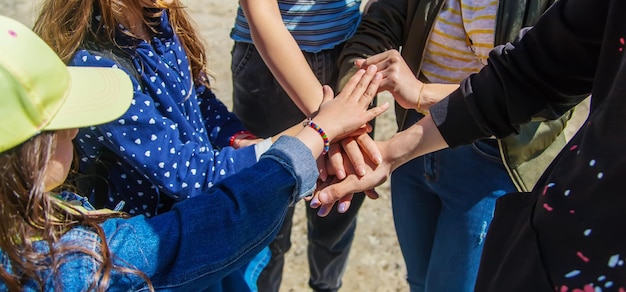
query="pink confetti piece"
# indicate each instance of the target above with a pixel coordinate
(547, 207)
(574, 147)
(582, 257)
(545, 189)
(12, 33)
(587, 288)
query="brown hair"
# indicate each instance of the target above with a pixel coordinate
(65, 25)
(29, 214)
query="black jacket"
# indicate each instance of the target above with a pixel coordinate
(569, 234)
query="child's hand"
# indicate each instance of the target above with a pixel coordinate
(348, 111)
(245, 142)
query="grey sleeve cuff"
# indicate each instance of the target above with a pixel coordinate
(262, 147)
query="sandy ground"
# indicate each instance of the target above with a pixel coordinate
(375, 262)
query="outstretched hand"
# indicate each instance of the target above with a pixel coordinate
(348, 112)
(351, 107)
(421, 138)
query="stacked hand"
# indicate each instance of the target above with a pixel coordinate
(358, 163)
(347, 114)
(400, 81)
(347, 176)
(398, 78)
(344, 120)
(343, 116)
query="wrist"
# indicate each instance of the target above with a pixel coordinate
(421, 101)
(311, 124)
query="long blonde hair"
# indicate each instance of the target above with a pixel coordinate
(29, 214)
(66, 24)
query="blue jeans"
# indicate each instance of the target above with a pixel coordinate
(266, 109)
(443, 204)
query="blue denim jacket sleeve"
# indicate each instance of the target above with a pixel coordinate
(205, 238)
(292, 154)
(202, 239)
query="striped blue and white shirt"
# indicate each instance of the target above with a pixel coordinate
(316, 25)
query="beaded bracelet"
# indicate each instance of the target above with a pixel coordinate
(246, 133)
(309, 123)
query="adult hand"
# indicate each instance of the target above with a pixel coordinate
(398, 78)
(401, 82)
(421, 138)
(351, 150)
(341, 191)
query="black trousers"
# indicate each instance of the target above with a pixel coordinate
(330, 239)
(266, 109)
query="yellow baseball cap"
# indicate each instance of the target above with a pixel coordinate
(39, 92)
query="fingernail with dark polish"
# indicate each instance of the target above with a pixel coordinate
(322, 211)
(315, 203)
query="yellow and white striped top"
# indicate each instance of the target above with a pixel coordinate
(462, 36)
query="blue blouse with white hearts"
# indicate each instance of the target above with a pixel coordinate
(171, 144)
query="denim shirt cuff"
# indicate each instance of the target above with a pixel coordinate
(297, 159)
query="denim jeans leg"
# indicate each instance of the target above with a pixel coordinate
(415, 211)
(443, 204)
(330, 239)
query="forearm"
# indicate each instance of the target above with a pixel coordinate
(191, 234)
(420, 139)
(433, 93)
(291, 131)
(282, 55)
(204, 238)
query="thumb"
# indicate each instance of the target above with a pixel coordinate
(359, 63)
(334, 192)
(328, 93)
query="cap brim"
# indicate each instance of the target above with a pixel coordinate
(97, 95)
